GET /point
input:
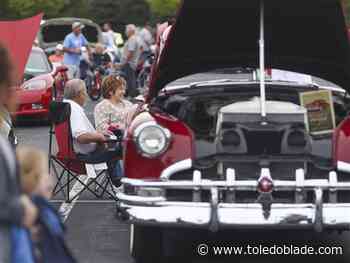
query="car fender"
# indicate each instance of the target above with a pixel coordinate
(341, 143)
(181, 147)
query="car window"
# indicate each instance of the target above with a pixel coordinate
(37, 63)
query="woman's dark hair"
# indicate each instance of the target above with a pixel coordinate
(6, 68)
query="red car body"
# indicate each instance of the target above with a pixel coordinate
(36, 92)
(197, 156)
(34, 73)
(35, 103)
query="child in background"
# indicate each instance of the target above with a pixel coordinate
(34, 173)
(36, 182)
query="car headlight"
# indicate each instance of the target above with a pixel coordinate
(152, 139)
(34, 84)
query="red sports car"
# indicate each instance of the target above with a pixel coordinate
(35, 93)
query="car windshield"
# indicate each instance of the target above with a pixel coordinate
(37, 63)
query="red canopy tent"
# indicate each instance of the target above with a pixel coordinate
(18, 36)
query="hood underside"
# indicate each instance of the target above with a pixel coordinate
(301, 36)
(53, 31)
(18, 37)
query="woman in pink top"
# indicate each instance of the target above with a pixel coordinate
(112, 112)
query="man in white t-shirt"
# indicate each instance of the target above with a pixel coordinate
(85, 137)
(88, 144)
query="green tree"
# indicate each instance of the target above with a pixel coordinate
(347, 10)
(76, 8)
(4, 12)
(120, 12)
(25, 8)
(164, 8)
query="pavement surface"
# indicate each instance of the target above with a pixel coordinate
(96, 236)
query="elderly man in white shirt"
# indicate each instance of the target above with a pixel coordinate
(87, 142)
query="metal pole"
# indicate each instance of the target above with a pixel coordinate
(262, 60)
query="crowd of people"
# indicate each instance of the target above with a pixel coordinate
(112, 52)
(30, 228)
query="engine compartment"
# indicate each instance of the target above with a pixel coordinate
(284, 135)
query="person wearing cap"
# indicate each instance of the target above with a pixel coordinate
(57, 57)
(72, 47)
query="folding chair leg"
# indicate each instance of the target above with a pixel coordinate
(105, 185)
(68, 188)
(108, 183)
(102, 183)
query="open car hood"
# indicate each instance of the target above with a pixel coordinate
(301, 36)
(18, 36)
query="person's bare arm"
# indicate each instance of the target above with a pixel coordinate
(91, 137)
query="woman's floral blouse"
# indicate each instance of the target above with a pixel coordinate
(107, 113)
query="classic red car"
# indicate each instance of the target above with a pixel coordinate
(218, 151)
(35, 94)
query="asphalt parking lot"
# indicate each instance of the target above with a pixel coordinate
(96, 236)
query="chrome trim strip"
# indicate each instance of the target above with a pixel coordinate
(318, 210)
(139, 200)
(300, 183)
(197, 179)
(343, 166)
(239, 185)
(230, 181)
(214, 220)
(175, 168)
(333, 181)
(215, 215)
(283, 216)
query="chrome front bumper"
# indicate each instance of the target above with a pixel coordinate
(221, 213)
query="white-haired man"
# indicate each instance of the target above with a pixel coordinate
(88, 144)
(129, 60)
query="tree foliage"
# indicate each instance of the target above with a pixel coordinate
(120, 12)
(347, 10)
(76, 8)
(25, 8)
(163, 8)
(4, 12)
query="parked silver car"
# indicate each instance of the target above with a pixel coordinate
(53, 32)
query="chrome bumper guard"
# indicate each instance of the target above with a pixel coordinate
(215, 214)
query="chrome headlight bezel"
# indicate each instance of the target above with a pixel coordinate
(138, 132)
